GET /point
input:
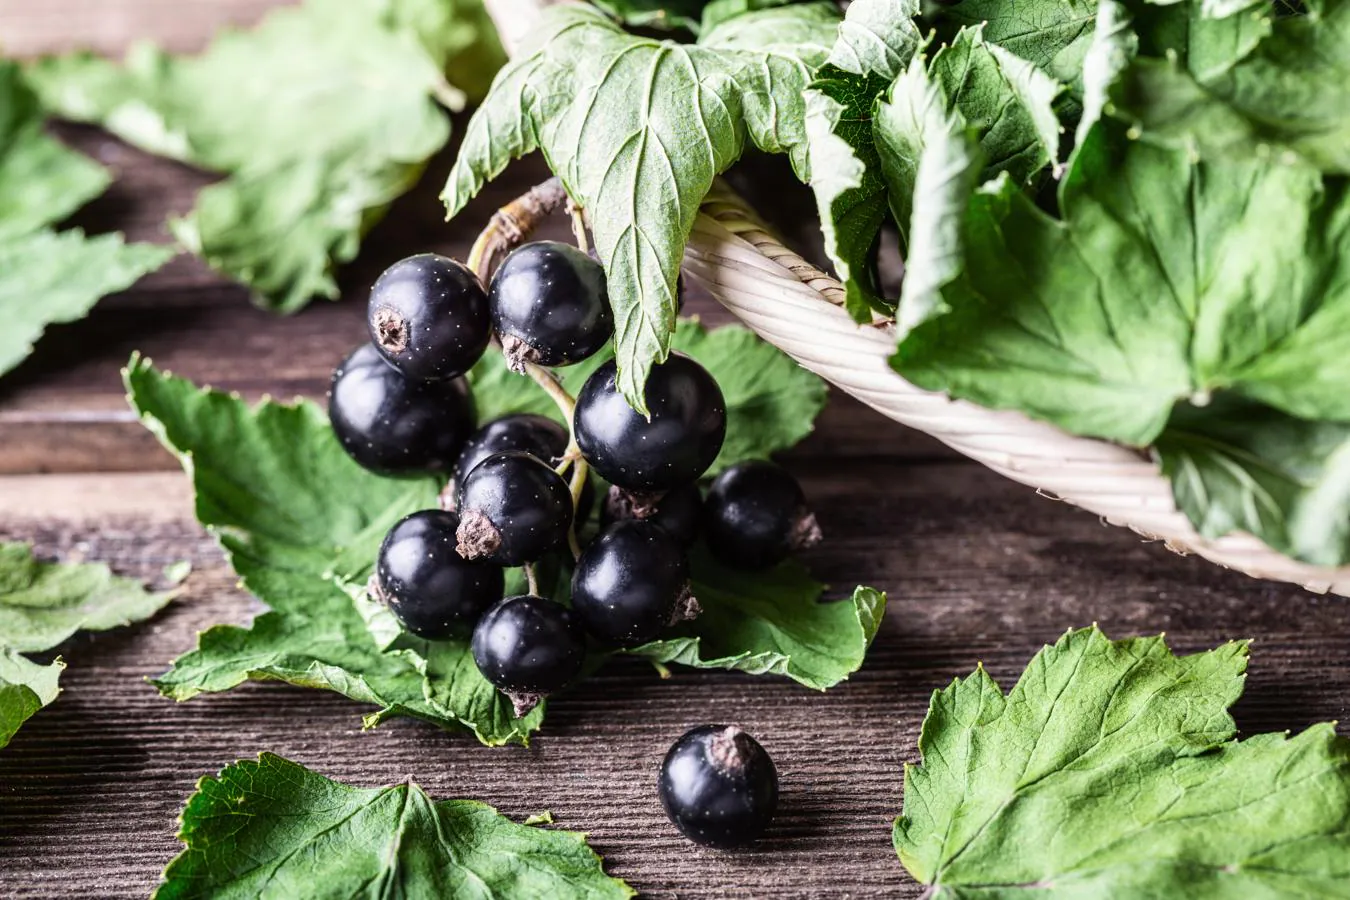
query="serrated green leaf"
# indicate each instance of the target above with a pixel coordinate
(49, 277)
(43, 603)
(25, 687)
(1237, 466)
(876, 41)
(1285, 86)
(274, 829)
(320, 116)
(1114, 44)
(1111, 769)
(1167, 279)
(273, 484)
(1052, 34)
(771, 401)
(771, 622)
(637, 129)
(972, 113)
(267, 485)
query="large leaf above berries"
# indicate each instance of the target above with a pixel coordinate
(273, 828)
(46, 276)
(772, 402)
(637, 129)
(321, 116)
(1024, 794)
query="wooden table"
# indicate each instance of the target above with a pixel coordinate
(977, 568)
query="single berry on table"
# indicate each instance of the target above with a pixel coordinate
(391, 424)
(550, 305)
(650, 456)
(719, 786)
(678, 511)
(755, 516)
(528, 647)
(631, 583)
(429, 317)
(513, 509)
(429, 587)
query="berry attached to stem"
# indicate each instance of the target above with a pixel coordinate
(427, 585)
(673, 447)
(528, 647)
(513, 509)
(755, 516)
(391, 424)
(429, 318)
(718, 786)
(631, 583)
(550, 306)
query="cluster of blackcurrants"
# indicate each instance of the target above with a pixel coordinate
(399, 404)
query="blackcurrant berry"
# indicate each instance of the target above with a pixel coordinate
(550, 305)
(429, 587)
(674, 447)
(513, 509)
(528, 647)
(756, 516)
(391, 424)
(429, 317)
(630, 583)
(538, 436)
(718, 786)
(677, 511)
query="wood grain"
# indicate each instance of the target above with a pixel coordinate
(977, 569)
(91, 785)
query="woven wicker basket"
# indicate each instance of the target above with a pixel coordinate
(798, 308)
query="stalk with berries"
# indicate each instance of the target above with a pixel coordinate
(520, 489)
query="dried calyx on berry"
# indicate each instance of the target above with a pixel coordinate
(719, 786)
(428, 317)
(514, 508)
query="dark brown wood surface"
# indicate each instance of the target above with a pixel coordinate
(977, 568)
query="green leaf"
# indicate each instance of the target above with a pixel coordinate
(1052, 34)
(637, 129)
(668, 14)
(321, 116)
(1239, 466)
(771, 401)
(43, 603)
(25, 687)
(48, 277)
(771, 623)
(1167, 279)
(1114, 44)
(1284, 87)
(273, 484)
(1111, 770)
(264, 479)
(274, 829)
(876, 42)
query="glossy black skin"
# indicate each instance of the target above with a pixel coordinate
(684, 435)
(527, 644)
(714, 804)
(750, 513)
(393, 425)
(436, 310)
(526, 500)
(628, 582)
(430, 588)
(538, 436)
(679, 512)
(553, 297)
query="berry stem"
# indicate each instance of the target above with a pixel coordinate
(579, 227)
(531, 579)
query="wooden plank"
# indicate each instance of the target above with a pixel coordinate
(36, 27)
(90, 787)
